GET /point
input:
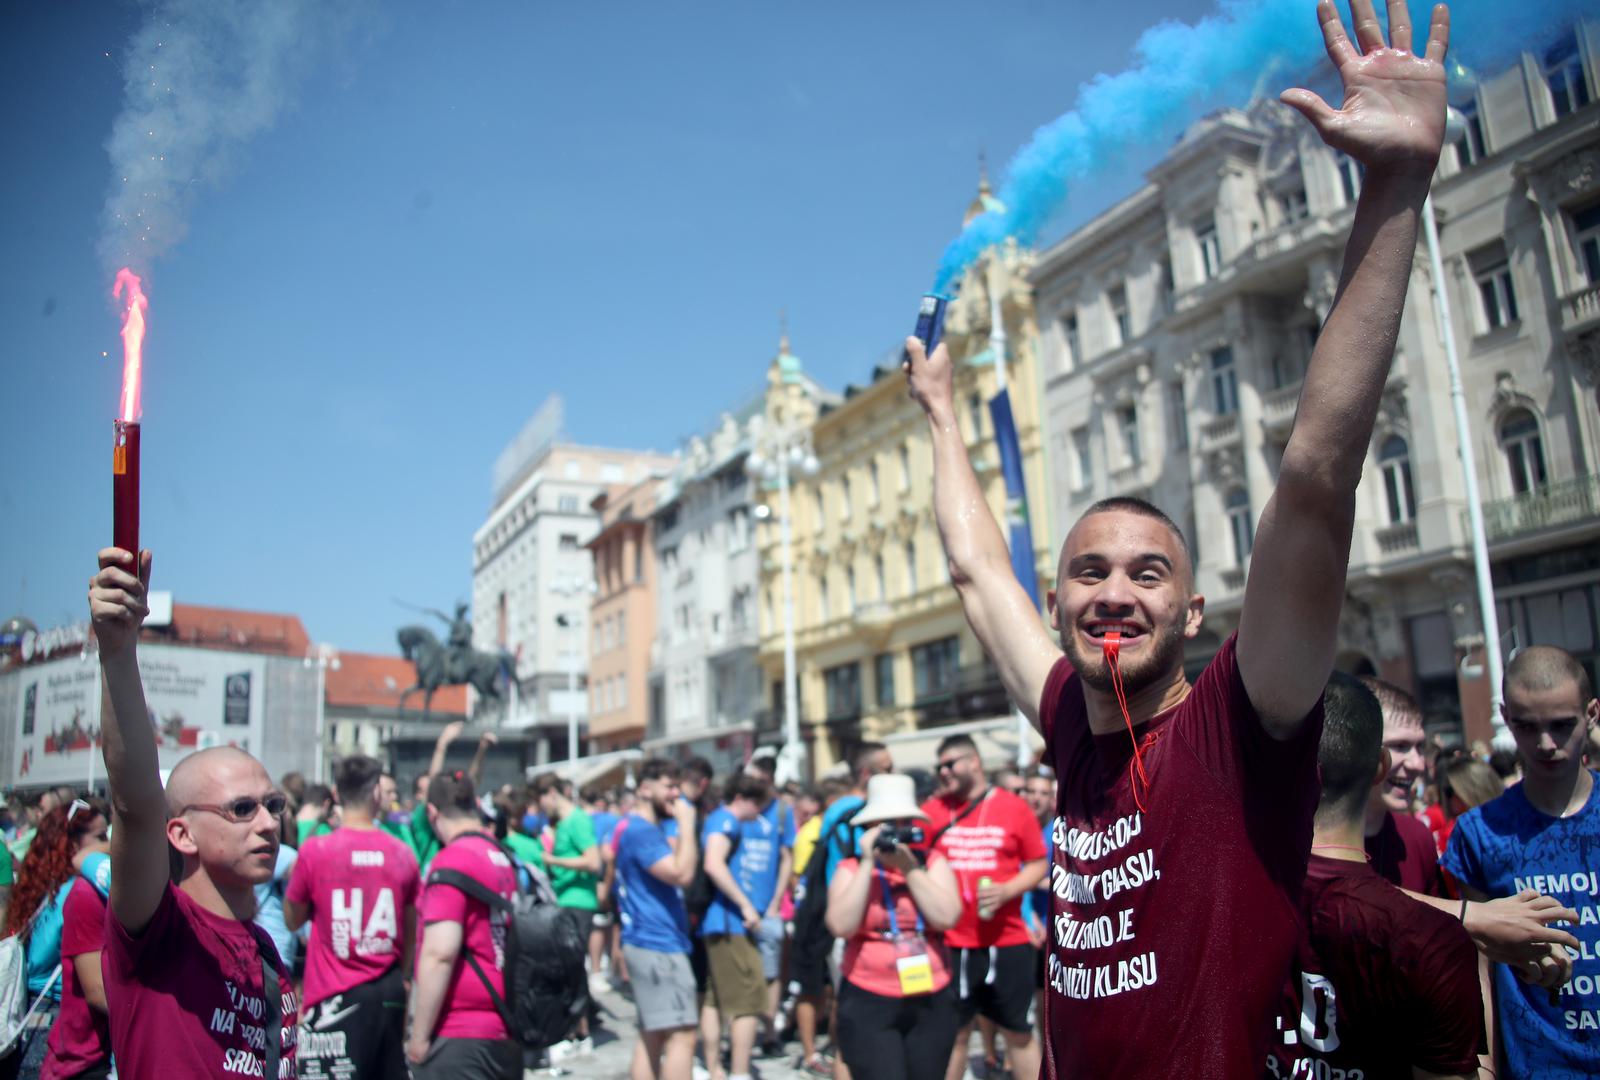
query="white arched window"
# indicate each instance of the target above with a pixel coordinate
(1240, 527)
(1524, 450)
(1394, 460)
(911, 567)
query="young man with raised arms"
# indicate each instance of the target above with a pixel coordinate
(196, 990)
(1185, 818)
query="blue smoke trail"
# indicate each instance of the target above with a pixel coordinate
(1179, 68)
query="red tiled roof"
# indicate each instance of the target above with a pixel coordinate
(229, 628)
(363, 680)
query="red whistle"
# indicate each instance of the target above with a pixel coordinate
(1111, 644)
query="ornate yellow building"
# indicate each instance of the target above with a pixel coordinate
(883, 651)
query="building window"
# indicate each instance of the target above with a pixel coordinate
(569, 542)
(1470, 148)
(1180, 415)
(822, 595)
(934, 666)
(905, 468)
(877, 573)
(843, 684)
(1293, 204)
(1165, 284)
(1351, 173)
(850, 590)
(1069, 339)
(1240, 527)
(883, 677)
(738, 530)
(1586, 234)
(1224, 382)
(1524, 450)
(975, 414)
(844, 496)
(1497, 296)
(818, 508)
(567, 504)
(1121, 325)
(1205, 238)
(1083, 464)
(1563, 74)
(1394, 460)
(1128, 429)
(874, 494)
(911, 567)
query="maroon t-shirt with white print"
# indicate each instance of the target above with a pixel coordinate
(186, 995)
(1173, 928)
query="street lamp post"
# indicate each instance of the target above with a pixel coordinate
(571, 585)
(322, 660)
(778, 448)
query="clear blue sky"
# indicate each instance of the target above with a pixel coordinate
(467, 207)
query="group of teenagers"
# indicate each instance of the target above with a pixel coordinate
(1220, 896)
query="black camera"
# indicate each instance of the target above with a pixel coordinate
(892, 835)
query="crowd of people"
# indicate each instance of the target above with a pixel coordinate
(1225, 877)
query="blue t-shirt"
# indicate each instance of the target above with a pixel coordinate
(44, 944)
(841, 809)
(652, 911)
(1036, 902)
(269, 904)
(605, 823)
(754, 865)
(1503, 847)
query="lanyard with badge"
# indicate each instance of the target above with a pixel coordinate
(910, 950)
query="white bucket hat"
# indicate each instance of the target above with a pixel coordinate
(890, 797)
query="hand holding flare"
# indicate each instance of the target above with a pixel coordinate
(125, 445)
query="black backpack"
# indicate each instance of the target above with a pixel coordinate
(699, 893)
(811, 939)
(546, 988)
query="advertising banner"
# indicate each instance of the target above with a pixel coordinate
(197, 699)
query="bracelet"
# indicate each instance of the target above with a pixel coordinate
(1462, 918)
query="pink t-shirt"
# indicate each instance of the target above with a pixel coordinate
(469, 1011)
(186, 995)
(871, 957)
(1173, 928)
(81, 1037)
(358, 885)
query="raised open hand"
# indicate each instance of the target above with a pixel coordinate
(1392, 118)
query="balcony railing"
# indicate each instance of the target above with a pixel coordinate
(1232, 579)
(1397, 538)
(1220, 430)
(977, 693)
(1581, 310)
(1277, 406)
(1563, 503)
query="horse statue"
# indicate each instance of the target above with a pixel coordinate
(440, 666)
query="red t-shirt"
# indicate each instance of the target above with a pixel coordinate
(358, 884)
(1433, 817)
(1173, 928)
(870, 957)
(993, 841)
(186, 995)
(1383, 984)
(1403, 854)
(81, 1037)
(468, 1011)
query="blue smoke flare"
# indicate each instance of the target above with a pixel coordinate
(1180, 69)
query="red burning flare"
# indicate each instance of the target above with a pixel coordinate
(132, 341)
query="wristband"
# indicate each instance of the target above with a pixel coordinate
(1462, 918)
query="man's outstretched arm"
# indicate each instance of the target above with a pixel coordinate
(138, 805)
(1392, 121)
(997, 608)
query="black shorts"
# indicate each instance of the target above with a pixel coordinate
(360, 1032)
(996, 982)
(470, 1059)
(889, 1038)
(808, 976)
(699, 964)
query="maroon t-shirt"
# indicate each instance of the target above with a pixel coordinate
(81, 1037)
(1403, 853)
(186, 995)
(1383, 984)
(1173, 929)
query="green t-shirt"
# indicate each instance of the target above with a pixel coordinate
(574, 888)
(424, 844)
(309, 828)
(7, 872)
(527, 849)
(19, 847)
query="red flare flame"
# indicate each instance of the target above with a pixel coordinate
(132, 341)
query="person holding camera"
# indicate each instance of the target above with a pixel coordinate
(897, 1009)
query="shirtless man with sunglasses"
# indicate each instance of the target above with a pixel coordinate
(196, 989)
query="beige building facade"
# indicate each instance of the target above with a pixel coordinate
(883, 650)
(622, 618)
(1176, 326)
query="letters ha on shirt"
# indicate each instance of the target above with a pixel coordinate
(358, 930)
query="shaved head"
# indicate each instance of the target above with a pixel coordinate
(214, 776)
(1545, 668)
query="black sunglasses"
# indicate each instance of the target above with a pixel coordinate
(243, 810)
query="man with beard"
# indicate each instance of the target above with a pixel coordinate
(655, 926)
(1187, 810)
(1398, 843)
